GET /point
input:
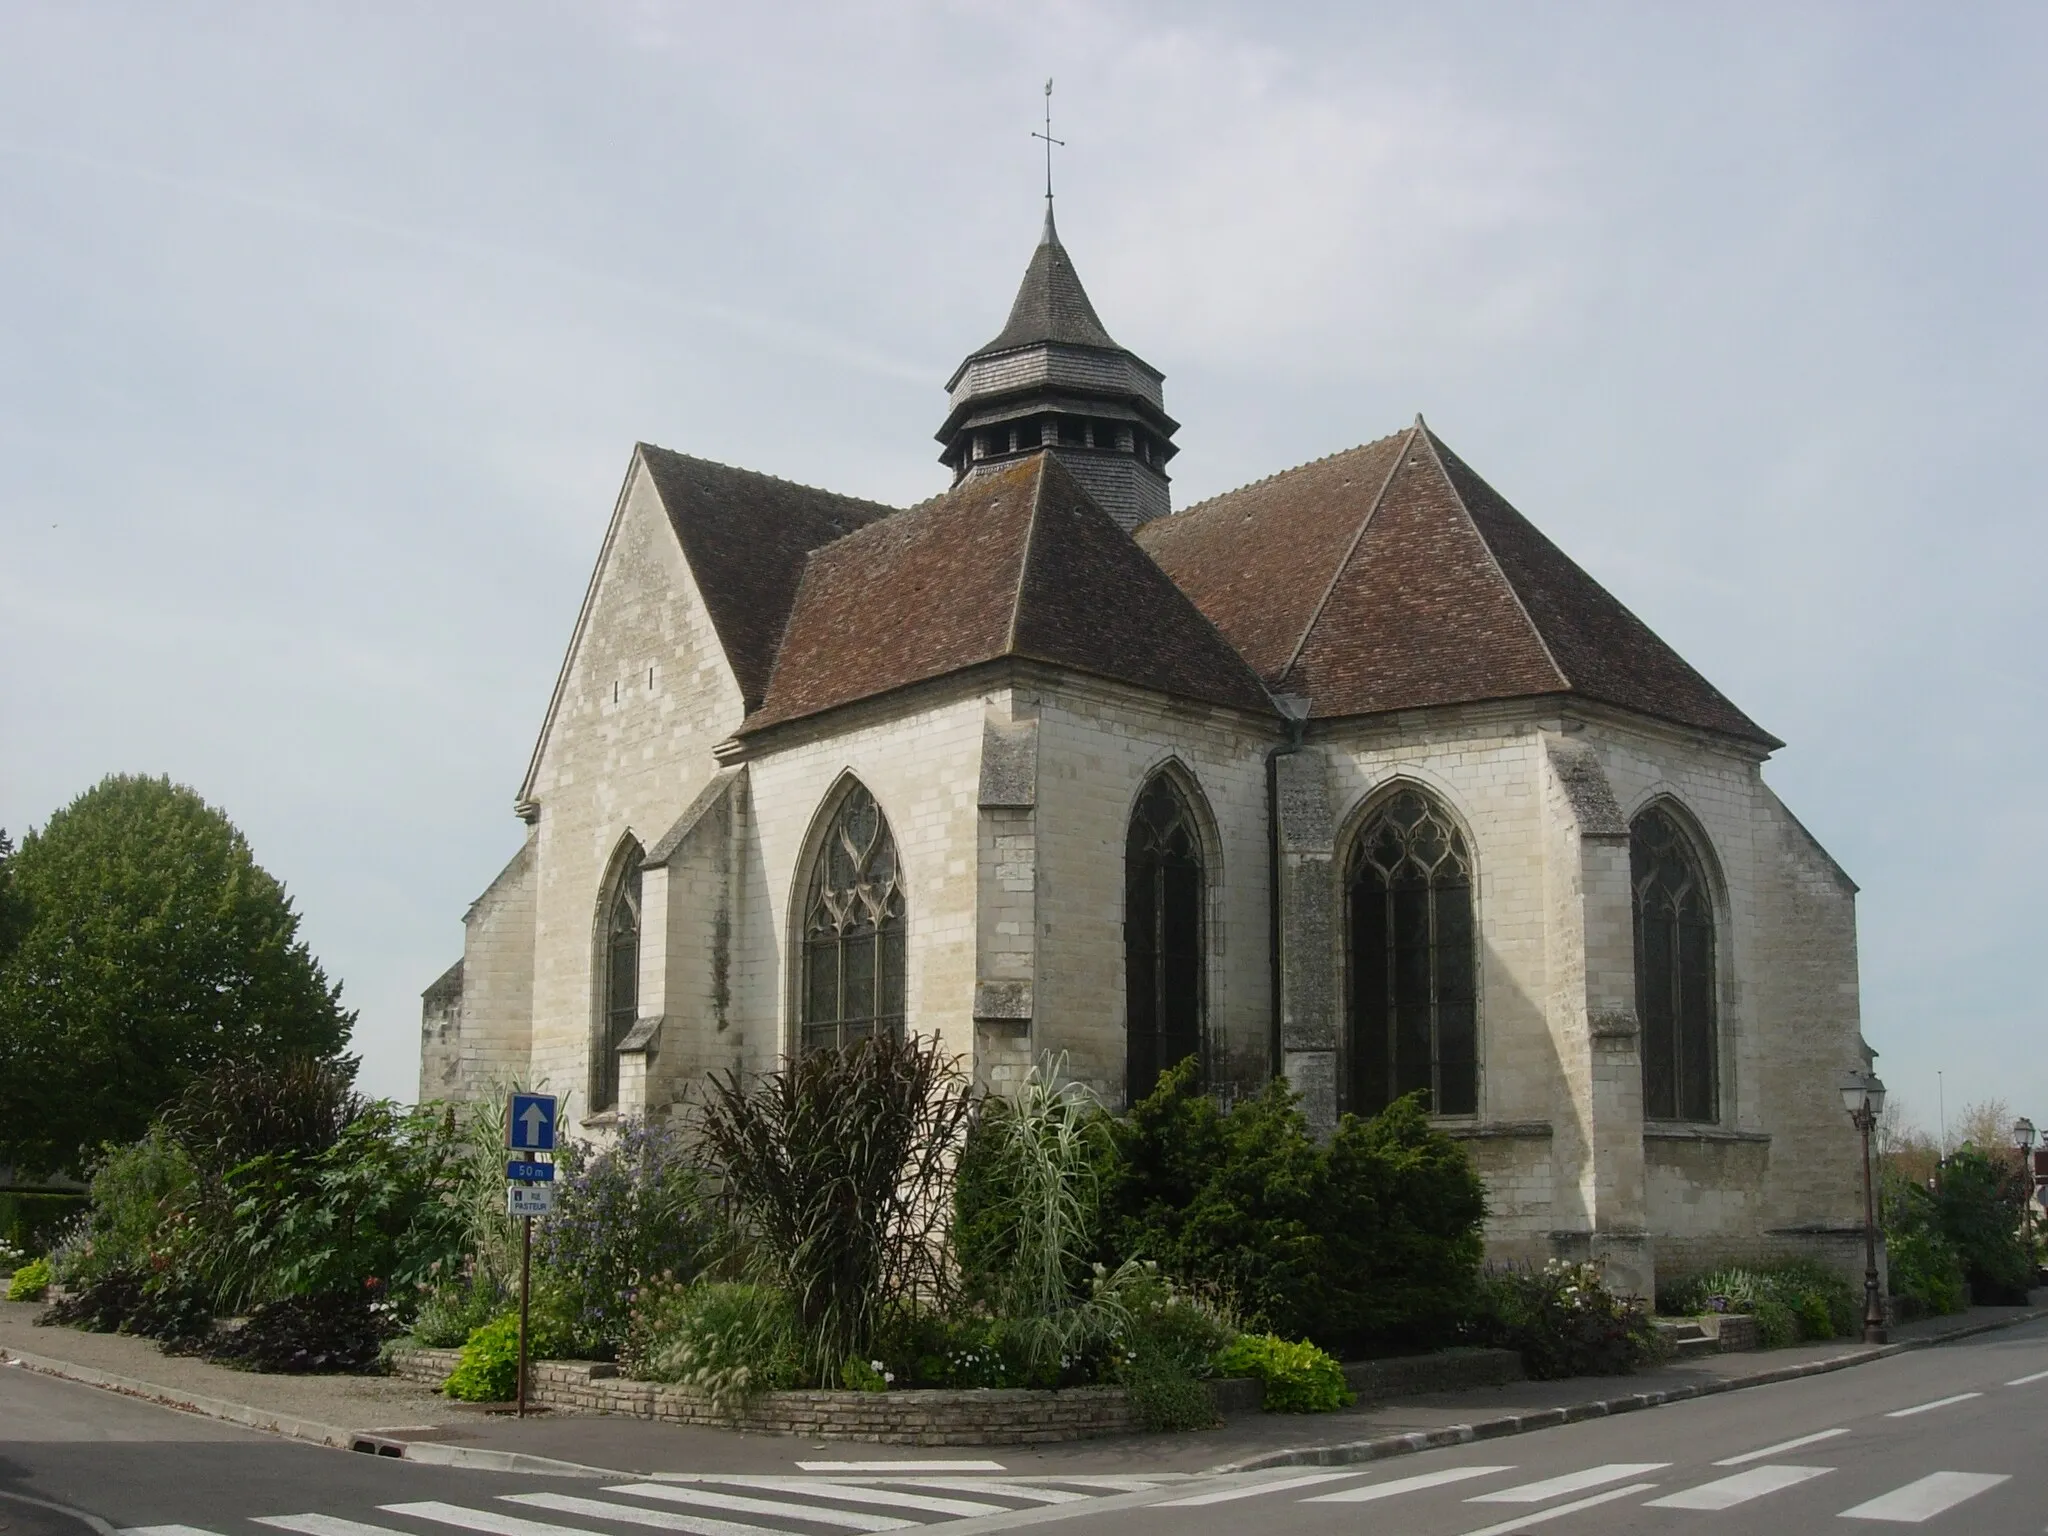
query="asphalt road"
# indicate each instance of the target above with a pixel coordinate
(1951, 1439)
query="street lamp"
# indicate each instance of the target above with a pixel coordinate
(2023, 1138)
(1863, 1097)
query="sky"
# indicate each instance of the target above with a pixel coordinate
(326, 333)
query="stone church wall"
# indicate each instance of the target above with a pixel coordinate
(920, 757)
(645, 695)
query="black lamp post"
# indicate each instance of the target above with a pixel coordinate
(1863, 1097)
(2023, 1139)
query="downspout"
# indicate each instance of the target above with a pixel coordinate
(1294, 709)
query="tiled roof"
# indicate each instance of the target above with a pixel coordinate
(1016, 562)
(1393, 577)
(746, 536)
(1051, 304)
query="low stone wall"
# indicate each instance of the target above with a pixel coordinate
(885, 1418)
(1731, 1332)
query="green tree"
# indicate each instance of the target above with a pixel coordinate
(13, 911)
(151, 947)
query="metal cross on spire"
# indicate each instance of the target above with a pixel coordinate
(1049, 142)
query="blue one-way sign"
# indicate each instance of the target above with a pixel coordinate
(530, 1122)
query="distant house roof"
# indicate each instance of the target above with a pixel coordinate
(1017, 562)
(1392, 577)
(746, 536)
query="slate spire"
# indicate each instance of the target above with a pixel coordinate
(1054, 378)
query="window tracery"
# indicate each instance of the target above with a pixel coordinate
(1164, 892)
(1413, 1015)
(620, 977)
(853, 958)
(1674, 931)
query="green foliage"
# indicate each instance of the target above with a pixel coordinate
(1298, 1377)
(838, 1171)
(13, 905)
(865, 1376)
(488, 1371)
(1925, 1271)
(376, 1206)
(1371, 1245)
(148, 946)
(1978, 1207)
(729, 1341)
(30, 1282)
(1027, 1203)
(1164, 1343)
(36, 1223)
(624, 1218)
(247, 1109)
(1791, 1299)
(1565, 1321)
(454, 1310)
(135, 1190)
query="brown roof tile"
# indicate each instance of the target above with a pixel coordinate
(1393, 577)
(1015, 562)
(746, 536)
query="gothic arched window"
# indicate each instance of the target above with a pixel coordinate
(1674, 914)
(853, 931)
(1164, 891)
(1414, 1007)
(618, 976)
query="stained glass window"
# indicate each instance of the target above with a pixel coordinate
(853, 931)
(620, 977)
(1414, 1005)
(1164, 891)
(1674, 922)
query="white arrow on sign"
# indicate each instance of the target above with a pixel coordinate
(535, 1121)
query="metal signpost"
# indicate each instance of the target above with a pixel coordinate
(529, 1192)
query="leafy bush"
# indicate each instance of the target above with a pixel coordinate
(727, 1340)
(34, 1223)
(488, 1371)
(30, 1282)
(838, 1168)
(246, 1109)
(452, 1312)
(1565, 1321)
(303, 1335)
(134, 1191)
(624, 1217)
(1791, 1299)
(1371, 1245)
(160, 1307)
(1298, 1377)
(1978, 1207)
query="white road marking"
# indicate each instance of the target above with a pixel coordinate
(660, 1519)
(1782, 1445)
(1253, 1490)
(1571, 1482)
(856, 1493)
(490, 1520)
(2028, 1381)
(712, 1499)
(1035, 1495)
(900, 1466)
(1925, 1499)
(1727, 1492)
(162, 1530)
(1523, 1522)
(324, 1525)
(1939, 1402)
(1371, 1491)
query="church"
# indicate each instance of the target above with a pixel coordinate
(1348, 776)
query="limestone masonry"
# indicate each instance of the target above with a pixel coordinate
(1349, 776)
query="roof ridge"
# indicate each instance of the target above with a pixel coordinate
(1351, 549)
(1492, 559)
(1030, 536)
(1280, 473)
(762, 474)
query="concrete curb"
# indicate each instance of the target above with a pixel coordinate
(1347, 1453)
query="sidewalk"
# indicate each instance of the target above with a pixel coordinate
(342, 1410)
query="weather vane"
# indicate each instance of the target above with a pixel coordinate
(1049, 142)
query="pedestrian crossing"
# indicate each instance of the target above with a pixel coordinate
(843, 1503)
(1584, 1488)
